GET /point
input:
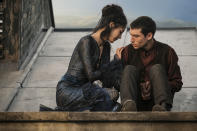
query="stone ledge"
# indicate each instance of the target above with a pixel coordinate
(98, 116)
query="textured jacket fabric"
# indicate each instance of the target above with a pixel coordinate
(76, 90)
(160, 54)
(85, 61)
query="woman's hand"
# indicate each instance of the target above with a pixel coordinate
(119, 52)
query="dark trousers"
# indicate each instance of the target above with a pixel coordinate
(130, 89)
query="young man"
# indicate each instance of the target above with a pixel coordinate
(151, 72)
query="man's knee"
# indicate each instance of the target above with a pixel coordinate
(130, 68)
(130, 71)
(157, 68)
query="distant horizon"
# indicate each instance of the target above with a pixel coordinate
(85, 14)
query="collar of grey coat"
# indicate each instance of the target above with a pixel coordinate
(99, 43)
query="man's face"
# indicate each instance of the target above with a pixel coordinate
(138, 40)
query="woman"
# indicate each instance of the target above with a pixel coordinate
(90, 61)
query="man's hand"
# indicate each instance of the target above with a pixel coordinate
(119, 51)
(145, 90)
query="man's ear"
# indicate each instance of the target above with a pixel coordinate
(149, 36)
(111, 24)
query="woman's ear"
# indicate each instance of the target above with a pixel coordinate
(111, 24)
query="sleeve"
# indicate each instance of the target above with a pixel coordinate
(174, 73)
(124, 55)
(84, 53)
(112, 76)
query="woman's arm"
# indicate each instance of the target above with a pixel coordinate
(84, 53)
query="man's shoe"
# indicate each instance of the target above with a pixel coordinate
(158, 107)
(129, 105)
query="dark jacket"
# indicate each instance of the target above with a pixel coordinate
(85, 65)
(161, 54)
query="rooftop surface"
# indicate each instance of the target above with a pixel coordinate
(39, 86)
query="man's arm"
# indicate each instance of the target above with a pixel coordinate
(174, 73)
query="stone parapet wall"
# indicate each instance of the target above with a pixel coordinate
(25, 21)
(35, 17)
(1, 28)
(12, 30)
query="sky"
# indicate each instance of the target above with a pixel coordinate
(86, 13)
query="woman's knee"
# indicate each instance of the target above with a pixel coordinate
(113, 93)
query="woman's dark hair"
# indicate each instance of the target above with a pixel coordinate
(145, 23)
(111, 13)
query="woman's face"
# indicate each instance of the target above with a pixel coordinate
(115, 34)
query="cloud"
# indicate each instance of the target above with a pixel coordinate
(76, 21)
(91, 21)
(175, 23)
